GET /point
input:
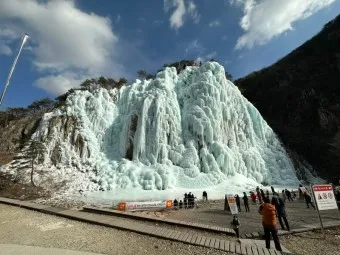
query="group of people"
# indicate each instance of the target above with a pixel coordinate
(272, 210)
(188, 202)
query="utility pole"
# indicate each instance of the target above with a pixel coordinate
(24, 39)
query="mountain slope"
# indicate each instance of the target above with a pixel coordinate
(299, 96)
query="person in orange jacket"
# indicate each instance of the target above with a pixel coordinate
(269, 223)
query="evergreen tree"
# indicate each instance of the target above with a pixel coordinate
(144, 75)
(34, 153)
(42, 104)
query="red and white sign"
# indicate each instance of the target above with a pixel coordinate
(132, 206)
(324, 197)
(232, 204)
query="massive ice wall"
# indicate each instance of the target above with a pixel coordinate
(192, 129)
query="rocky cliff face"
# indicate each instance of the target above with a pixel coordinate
(13, 135)
(299, 96)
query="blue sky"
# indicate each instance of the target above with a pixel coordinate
(74, 40)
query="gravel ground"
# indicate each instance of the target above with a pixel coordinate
(25, 227)
(313, 243)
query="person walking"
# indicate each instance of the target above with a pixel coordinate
(289, 195)
(269, 223)
(308, 200)
(246, 201)
(238, 202)
(281, 212)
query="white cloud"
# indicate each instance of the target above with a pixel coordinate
(60, 83)
(206, 57)
(180, 12)
(7, 36)
(192, 10)
(211, 55)
(157, 22)
(118, 18)
(4, 49)
(264, 20)
(63, 39)
(194, 47)
(177, 17)
(214, 23)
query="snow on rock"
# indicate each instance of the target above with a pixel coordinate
(187, 130)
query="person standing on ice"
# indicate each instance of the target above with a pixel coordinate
(175, 204)
(268, 212)
(185, 201)
(205, 195)
(238, 202)
(246, 201)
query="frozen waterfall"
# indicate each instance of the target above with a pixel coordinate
(188, 130)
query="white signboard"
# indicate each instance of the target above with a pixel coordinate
(324, 197)
(232, 204)
(131, 206)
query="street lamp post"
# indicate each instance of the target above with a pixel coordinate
(24, 39)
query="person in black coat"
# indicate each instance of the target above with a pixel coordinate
(180, 204)
(175, 204)
(273, 190)
(246, 201)
(289, 195)
(185, 200)
(205, 195)
(308, 200)
(281, 212)
(238, 202)
(262, 194)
